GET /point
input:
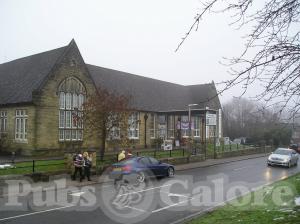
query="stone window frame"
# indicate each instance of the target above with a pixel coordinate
(114, 134)
(3, 123)
(184, 132)
(162, 126)
(196, 120)
(21, 125)
(134, 125)
(171, 126)
(72, 94)
(152, 126)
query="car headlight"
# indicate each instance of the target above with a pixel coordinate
(286, 160)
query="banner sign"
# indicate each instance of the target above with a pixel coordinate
(184, 125)
(211, 119)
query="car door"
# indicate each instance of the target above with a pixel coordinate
(145, 165)
(156, 167)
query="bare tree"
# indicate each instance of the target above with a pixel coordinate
(105, 111)
(245, 118)
(272, 48)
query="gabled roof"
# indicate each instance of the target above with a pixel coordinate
(19, 78)
(155, 95)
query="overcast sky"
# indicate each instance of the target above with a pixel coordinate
(136, 36)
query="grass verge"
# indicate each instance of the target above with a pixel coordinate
(271, 204)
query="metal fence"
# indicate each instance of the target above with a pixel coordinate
(31, 166)
(113, 157)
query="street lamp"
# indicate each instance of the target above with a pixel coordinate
(190, 122)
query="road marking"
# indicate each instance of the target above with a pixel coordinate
(169, 206)
(137, 209)
(77, 193)
(175, 195)
(148, 189)
(35, 213)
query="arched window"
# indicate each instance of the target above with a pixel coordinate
(71, 98)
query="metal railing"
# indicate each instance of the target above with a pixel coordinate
(31, 166)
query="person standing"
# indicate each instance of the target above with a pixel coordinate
(121, 156)
(87, 165)
(128, 153)
(78, 164)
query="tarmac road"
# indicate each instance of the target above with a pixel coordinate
(169, 200)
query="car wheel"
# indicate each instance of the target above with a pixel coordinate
(171, 172)
(141, 177)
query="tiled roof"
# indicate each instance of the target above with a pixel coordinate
(154, 95)
(21, 77)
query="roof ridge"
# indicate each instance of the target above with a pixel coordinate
(140, 76)
(201, 84)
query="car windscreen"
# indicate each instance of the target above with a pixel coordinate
(282, 152)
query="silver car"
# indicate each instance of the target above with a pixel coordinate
(283, 157)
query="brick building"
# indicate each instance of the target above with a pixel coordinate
(39, 95)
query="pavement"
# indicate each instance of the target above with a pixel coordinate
(169, 200)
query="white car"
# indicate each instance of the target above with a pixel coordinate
(283, 157)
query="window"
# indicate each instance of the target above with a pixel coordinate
(133, 124)
(210, 131)
(113, 127)
(21, 125)
(71, 98)
(184, 126)
(153, 161)
(144, 161)
(152, 125)
(162, 126)
(3, 123)
(114, 133)
(171, 125)
(162, 119)
(196, 126)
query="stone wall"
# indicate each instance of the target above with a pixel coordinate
(47, 114)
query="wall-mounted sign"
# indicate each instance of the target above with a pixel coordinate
(211, 119)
